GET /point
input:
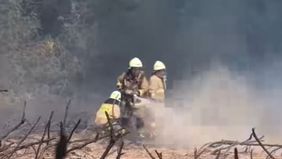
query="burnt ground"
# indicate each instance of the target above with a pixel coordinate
(132, 150)
(24, 139)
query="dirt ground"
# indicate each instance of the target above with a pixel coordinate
(137, 152)
(132, 151)
(95, 150)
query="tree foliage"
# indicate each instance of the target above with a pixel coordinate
(38, 61)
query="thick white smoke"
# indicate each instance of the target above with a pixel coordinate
(218, 104)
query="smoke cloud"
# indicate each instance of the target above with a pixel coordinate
(220, 104)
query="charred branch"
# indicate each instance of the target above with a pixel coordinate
(261, 145)
(61, 147)
(73, 130)
(148, 152)
(120, 153)
(66, 113)
(44, 133)
(113, 137)
(23, 119)
(236, 154)
(159, 154)
(23, 139)
(90, 141)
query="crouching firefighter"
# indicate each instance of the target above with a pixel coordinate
(112, 107)
(132, 83)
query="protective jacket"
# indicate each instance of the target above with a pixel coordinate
(137, 85)
(157, 87)
(111, 106)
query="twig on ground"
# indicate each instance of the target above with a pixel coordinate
(274, 150)
(33, 148)
(110, 125)
(159, 154)
(148, 152)
(73, 130)
(35, 143)
(49, 126)
(195, 153)
(66, 113)
(236, 153)
(232, 144)
(262, 146)
(18, 125)
(22, 140)
(112, 138)
(201, 151)
(4, 148)
(61, 147)
(44, 133)
(120, 153)
(107, 150)
(251, 144)
(85, 144)
(218, 154)
(48, 132)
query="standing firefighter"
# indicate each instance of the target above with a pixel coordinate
(112, 107)
(158, 82)
(157, 90)
(132, 83)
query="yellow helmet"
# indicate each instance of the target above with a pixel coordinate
(116, 95)
(135, 62)
(159, 65)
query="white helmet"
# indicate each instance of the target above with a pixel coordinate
(116, 95)
(135, 62)
(159, 65)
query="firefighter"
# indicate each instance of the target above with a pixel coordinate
(132, 83)
(112, 107)
(157, 86)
